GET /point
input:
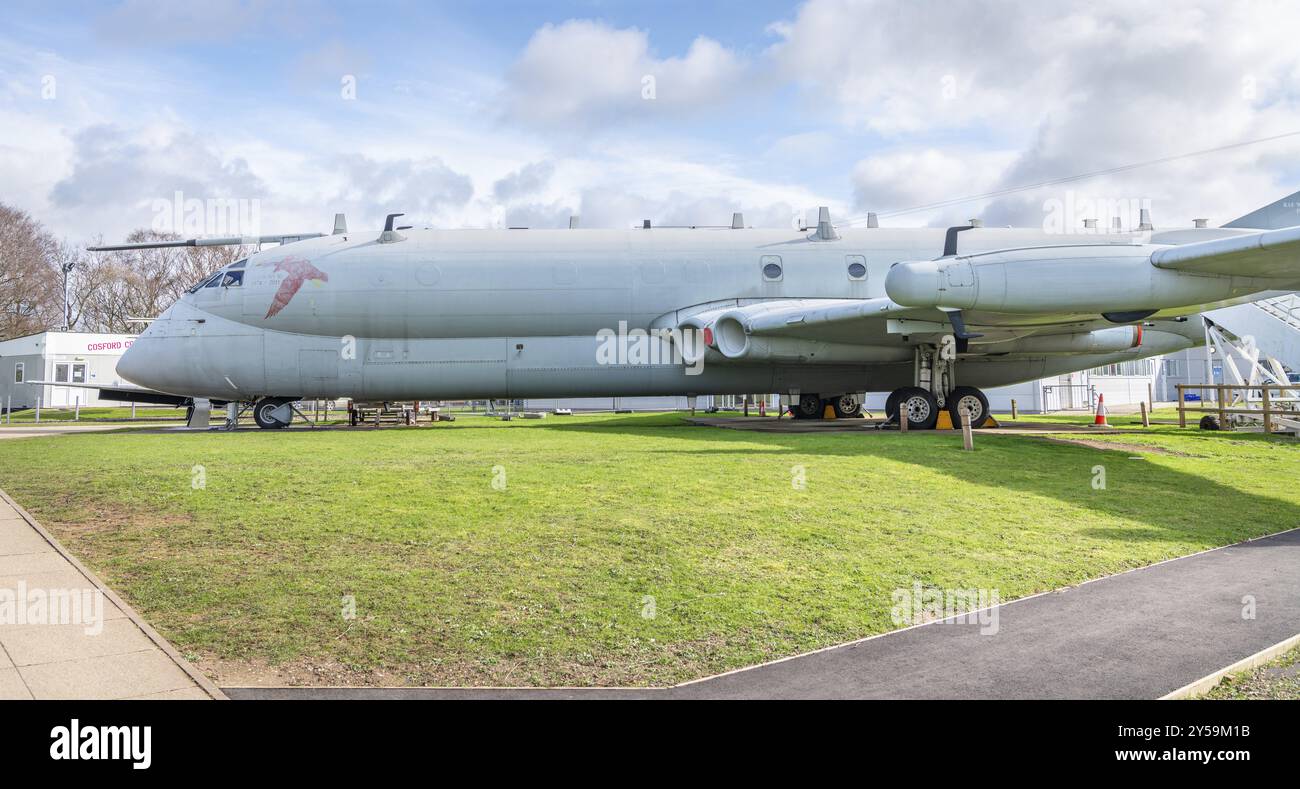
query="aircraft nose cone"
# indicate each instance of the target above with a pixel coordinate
(135, 367)
(914, 284)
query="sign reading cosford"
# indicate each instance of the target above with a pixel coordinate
(114, 345)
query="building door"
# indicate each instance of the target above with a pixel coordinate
(68, 372)
(62, 374)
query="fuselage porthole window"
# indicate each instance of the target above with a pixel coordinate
(772, 271)
(857, 267)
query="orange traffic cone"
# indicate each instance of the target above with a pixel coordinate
(1100, 419)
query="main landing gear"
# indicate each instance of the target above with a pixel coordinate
(813, 406)
(935, 390)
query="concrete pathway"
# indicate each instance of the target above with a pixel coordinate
(64, 635)
(31, 430)
(1136, 635)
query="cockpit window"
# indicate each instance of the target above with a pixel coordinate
(208, 280)
(231, 276)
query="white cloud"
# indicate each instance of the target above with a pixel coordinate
(526, 181)
(1040, 94)
(934, 101)
(581, 72)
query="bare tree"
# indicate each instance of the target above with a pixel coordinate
(105, 290)
(116, 286)
(31, 296)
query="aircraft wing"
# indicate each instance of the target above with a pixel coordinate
(126, 394)
(1274, 254)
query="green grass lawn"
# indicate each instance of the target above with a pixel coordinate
(621, 549)
(1277, 679)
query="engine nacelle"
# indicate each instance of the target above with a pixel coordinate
(731, 333)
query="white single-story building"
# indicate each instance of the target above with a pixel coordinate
(60, 357)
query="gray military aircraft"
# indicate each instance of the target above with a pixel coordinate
(930, 315)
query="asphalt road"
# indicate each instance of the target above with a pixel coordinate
(1136, 635)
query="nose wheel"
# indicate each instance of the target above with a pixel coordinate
(273, 413)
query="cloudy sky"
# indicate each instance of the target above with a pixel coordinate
(523, 113)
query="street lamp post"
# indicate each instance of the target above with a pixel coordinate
(67, 306)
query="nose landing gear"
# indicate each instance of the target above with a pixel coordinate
(273, 413)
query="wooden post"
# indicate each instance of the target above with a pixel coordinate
(1146, 417)
(133, 409)
(1182, 410)
(967, 435)
(1013, 409)
(1268, 412)
(1151, 400)
(1223, 413)
(902, 419)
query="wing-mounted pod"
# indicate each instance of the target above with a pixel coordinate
(1113, 340)
(1124, 282)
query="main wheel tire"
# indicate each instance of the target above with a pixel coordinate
(968, 397)
(891, 404)
(263, 410)
(847, 406)
(1210, 422)
(918, 407)
(809, 407)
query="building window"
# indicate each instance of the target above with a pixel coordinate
(1139, 368)
(78, 373)
(18, 372)
(1172, 368)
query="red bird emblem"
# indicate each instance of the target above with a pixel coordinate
(297, 271)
